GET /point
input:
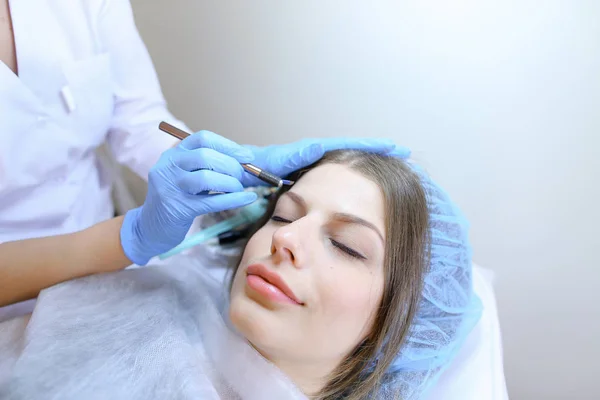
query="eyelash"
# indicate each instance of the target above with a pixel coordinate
(275, 218)
(345, 250)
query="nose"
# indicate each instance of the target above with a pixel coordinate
(286, 245)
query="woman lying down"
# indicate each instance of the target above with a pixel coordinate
(336, 296)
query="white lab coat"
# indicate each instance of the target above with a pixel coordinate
(85, 78)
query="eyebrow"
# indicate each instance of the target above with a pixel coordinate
(296, 198)
(343, 217)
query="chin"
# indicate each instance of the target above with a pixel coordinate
(251, 320)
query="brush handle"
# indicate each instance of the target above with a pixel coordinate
(173, 131)
(264, 176)
(270, 178)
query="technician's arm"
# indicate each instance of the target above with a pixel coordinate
(177, 188)
(28, 266)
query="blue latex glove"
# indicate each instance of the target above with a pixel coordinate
(178, 188)
(282, 160)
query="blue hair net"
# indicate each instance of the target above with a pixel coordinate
(449, 309)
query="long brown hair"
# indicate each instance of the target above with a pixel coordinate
(406, 258)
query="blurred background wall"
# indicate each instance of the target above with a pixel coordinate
(499, 100)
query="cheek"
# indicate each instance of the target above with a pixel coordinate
(258, 246)
(350, 299)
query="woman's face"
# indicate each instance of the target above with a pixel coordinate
(310, 280)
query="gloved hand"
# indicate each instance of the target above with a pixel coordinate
(178, 188)
(282, 160)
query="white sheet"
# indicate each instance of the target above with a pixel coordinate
(476, 374)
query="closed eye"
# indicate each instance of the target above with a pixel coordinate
(275, 218)
(347, 250)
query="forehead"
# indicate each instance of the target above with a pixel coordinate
(336, 188)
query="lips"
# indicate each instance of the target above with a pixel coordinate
(269, 283)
